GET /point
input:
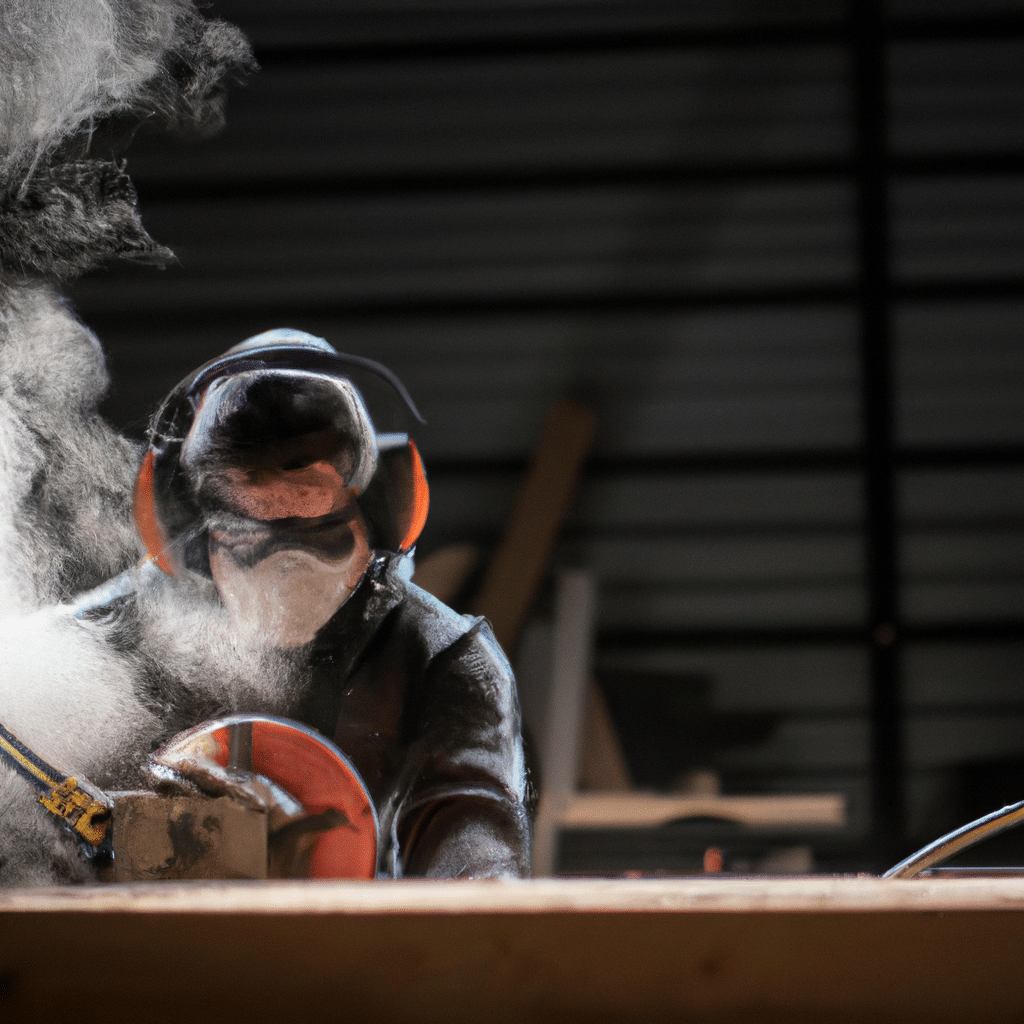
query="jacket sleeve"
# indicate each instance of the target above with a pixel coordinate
(462, 813)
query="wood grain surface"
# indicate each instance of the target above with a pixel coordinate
(703, 949)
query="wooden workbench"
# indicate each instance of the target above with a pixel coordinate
(705, 949)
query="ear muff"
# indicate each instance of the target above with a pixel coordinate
(147, 522)
(396, 502)
(420, 504)
(313, 355)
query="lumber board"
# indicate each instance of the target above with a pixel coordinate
(704, 949)
(648, 810)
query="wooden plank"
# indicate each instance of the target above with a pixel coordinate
(647, 810)
(710, 950)
(831, 894)
(524, 554)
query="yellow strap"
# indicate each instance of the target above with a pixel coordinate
(28, 764)
(84, 813)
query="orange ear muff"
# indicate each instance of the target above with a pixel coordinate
(396, 500)
(146, 520)
(420, 500)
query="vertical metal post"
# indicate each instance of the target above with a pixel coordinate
(871, 125)
(562, 739)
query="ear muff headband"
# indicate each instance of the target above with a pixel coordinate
(292, 356)
(155, 497)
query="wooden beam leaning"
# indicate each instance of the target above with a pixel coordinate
(524, 553)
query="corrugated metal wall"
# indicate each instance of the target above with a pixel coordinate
(778, 246)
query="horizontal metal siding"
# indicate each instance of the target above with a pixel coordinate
(276, 24)
(957, 95)
(502, 245)
(959, 367)
(731, 380)
(430, 116)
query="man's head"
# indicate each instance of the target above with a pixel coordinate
(265, 473)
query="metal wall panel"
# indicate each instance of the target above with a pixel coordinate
(957, 95)
(959, 366)
(395, 119)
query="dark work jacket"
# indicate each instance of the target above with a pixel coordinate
(423, 702)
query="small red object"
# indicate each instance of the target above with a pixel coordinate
(713, 861)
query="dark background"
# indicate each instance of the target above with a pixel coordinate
(778, 246)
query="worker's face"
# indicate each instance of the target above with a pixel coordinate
(277, 465)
